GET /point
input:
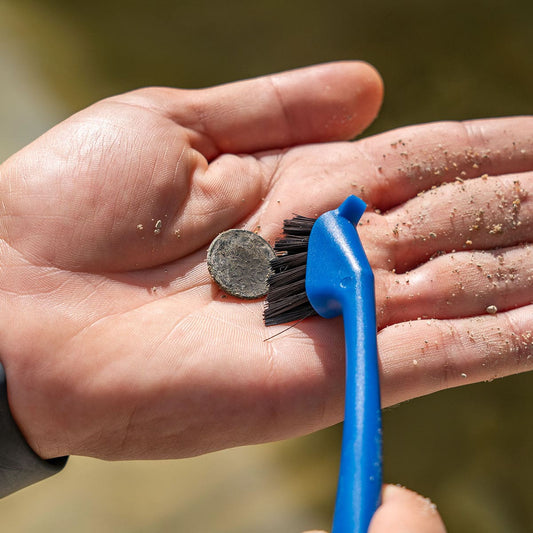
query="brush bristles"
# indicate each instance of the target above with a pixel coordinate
(286, 299)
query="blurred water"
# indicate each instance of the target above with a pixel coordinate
(468, 449)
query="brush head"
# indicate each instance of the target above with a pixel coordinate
(286, 300)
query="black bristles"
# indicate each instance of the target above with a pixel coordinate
(286, 299)
(287, 276)
(292, 245)
(298, 225)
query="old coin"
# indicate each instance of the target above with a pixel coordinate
(239, 262)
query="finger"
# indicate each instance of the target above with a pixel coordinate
(404, 511)
(409, 160)
(366, 168)
(333, 101)
(458, 285)
(424, 356)
(482, 213)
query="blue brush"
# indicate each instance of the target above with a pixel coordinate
(322, 269)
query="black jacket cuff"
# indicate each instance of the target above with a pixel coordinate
(20, 466)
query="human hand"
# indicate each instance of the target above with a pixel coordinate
(404, 511)
(116, 343)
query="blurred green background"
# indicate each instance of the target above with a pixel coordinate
(468, 449)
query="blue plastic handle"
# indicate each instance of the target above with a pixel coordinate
(339, 280)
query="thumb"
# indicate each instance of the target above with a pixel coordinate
(327, 102)
(405, 511)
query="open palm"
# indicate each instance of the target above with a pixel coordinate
(117, 344)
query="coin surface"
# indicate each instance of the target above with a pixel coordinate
(239, 262)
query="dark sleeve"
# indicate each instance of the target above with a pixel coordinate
(20, 466)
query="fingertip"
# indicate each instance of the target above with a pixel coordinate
(365, 89)
(405, 511)
(331, 101)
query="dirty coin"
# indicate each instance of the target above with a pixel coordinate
(239, 262)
